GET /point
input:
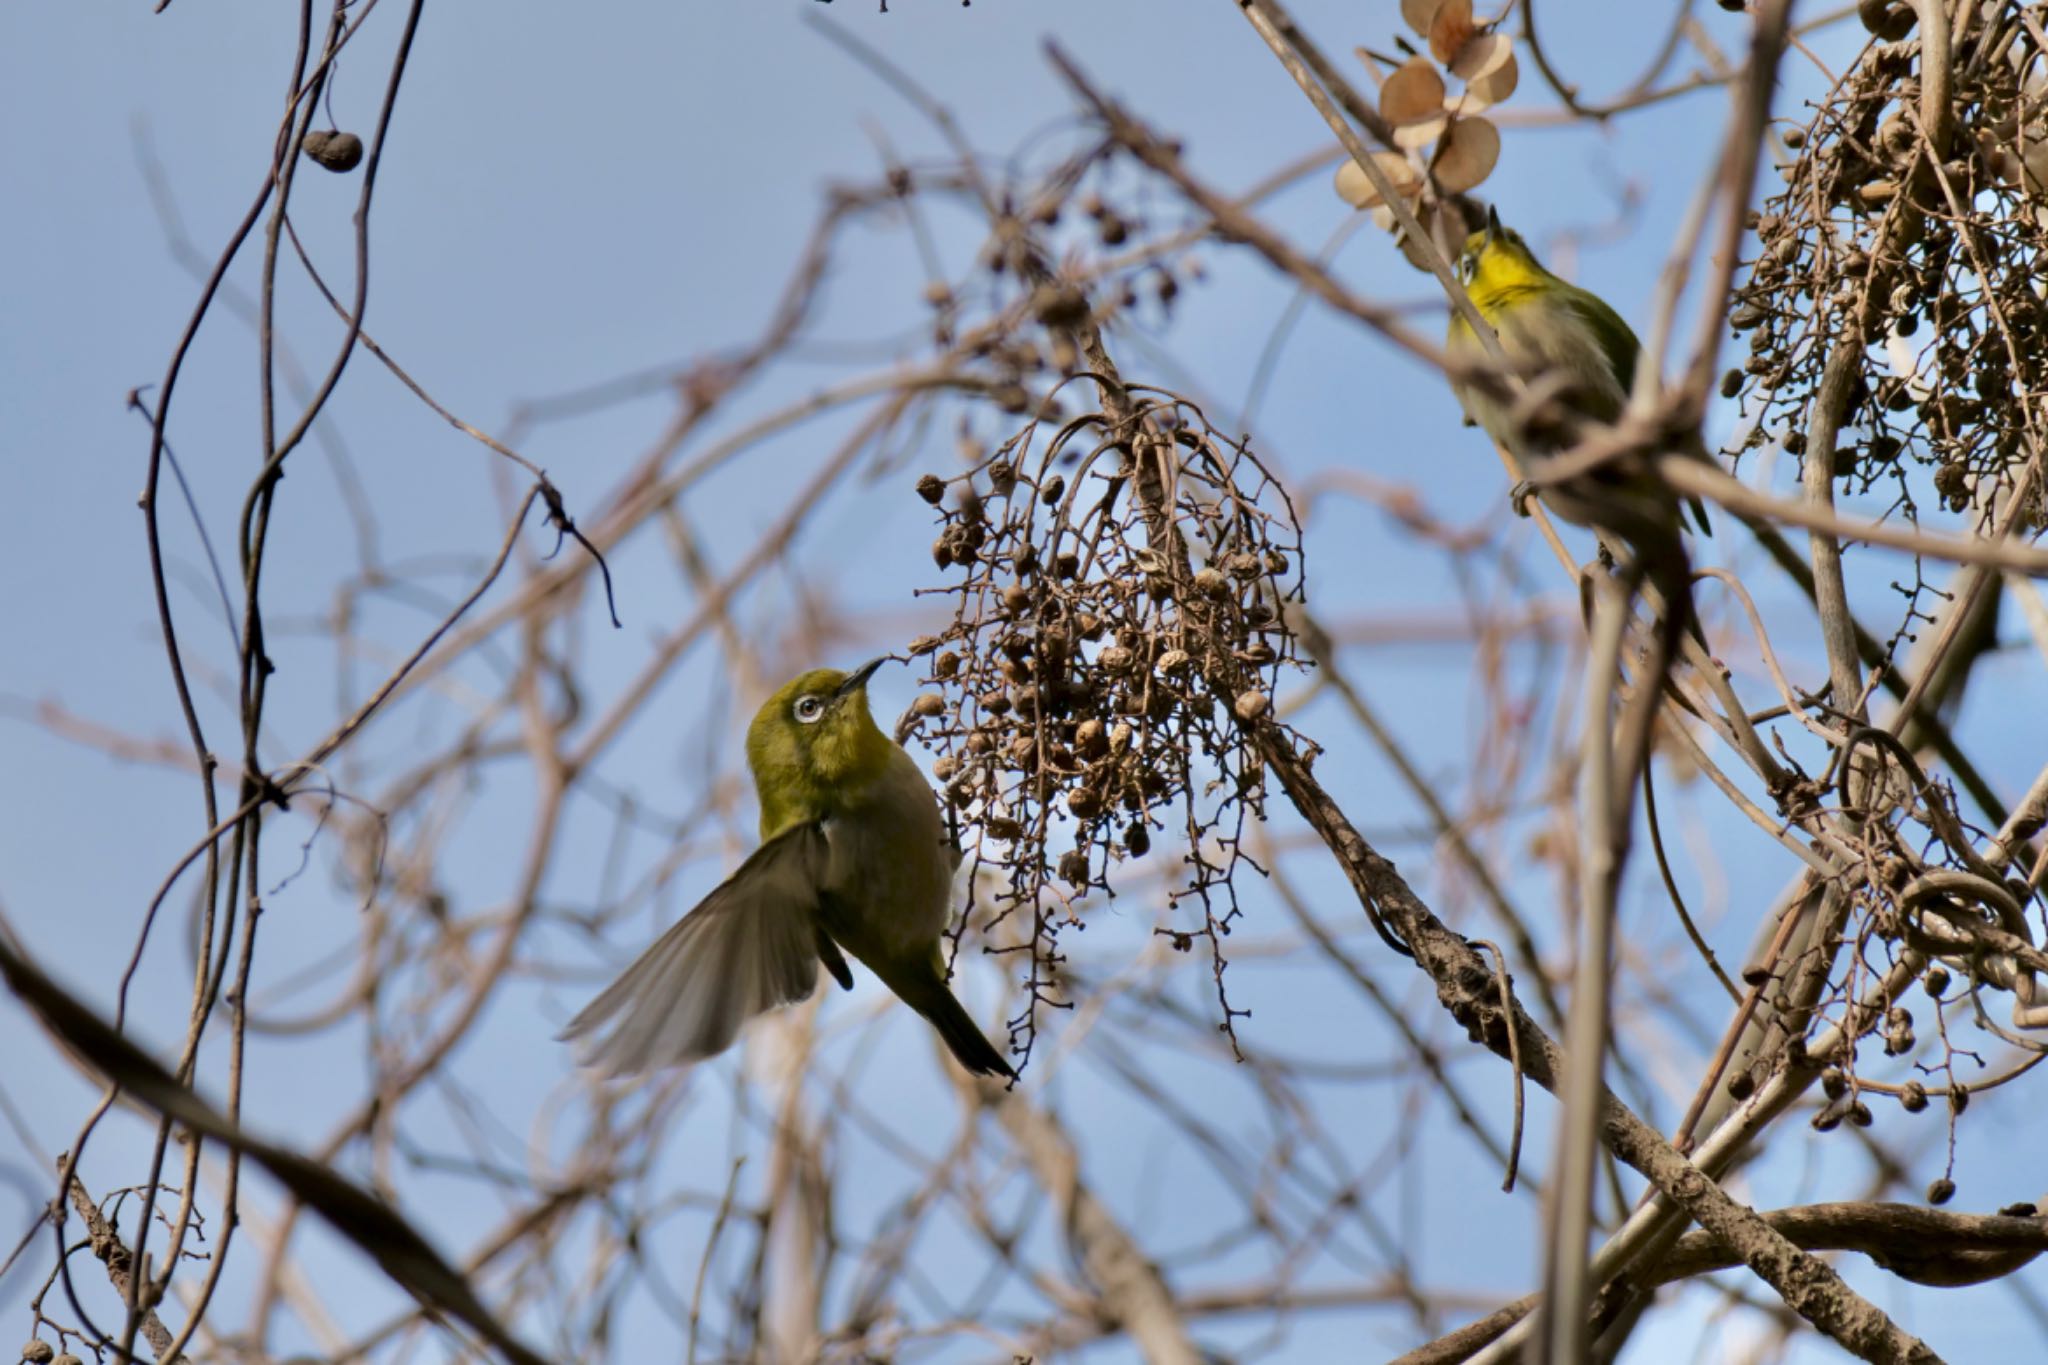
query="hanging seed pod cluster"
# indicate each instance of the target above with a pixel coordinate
(1931, 255)
(1094, 689)
(1896, 283)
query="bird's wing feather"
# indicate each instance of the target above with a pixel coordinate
(749, 946)
(1617, 340)
(1619, 344)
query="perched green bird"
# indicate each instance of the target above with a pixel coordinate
(1548, 327)
(854, 856)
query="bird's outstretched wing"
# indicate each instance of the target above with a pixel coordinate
(749, 946)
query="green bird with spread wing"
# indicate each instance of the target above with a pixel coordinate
(854, 860)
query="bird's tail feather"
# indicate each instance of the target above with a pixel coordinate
(968, 1043)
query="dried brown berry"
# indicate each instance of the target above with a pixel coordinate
(1091, 739)
(931, 488)
(335, 151)
(1073, 867)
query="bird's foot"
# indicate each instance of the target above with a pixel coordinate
(1519, 496)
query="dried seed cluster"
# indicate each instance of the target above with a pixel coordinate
(1932, 255)
(1120, 623)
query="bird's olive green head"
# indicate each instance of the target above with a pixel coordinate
(1497, 262)
(814, 746)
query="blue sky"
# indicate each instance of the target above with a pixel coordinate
(577, 193)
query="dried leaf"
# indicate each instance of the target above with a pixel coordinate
(1484, 55)
(1495, 86)
(1356, 190)
(1414, 92)
(1450, 29)
(1468, 154)
(1419, 13)
(1413, 136)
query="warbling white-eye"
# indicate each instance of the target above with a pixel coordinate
(1549, 327)
(854, 856)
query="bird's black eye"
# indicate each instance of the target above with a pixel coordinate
(808, 709)
(1468, 266)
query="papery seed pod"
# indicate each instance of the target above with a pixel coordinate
(1138, 839)
(1052, 490)
(1016, 600)
(996, 703)
(1250, 705)
(1004, 828)
(1211, 583)
(928, 704)
(1117, 659)
(1912, 1097)
(932, 489)
(946, 665)
(1084, 803)
(1941, 1191)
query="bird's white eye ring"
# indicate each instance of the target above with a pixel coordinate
(808, 709)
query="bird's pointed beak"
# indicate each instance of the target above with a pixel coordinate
(858, 679)
(1492, 224)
